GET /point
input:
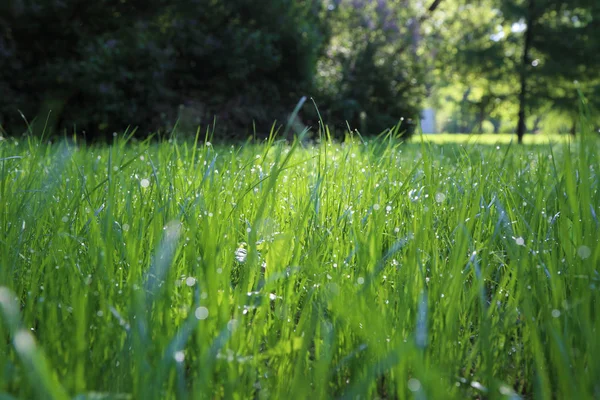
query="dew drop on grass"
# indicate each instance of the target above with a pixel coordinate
(24, 342)
(125, 227)
(520, 241)
(584, 252)
(375, 207)
(179, 356)
(232, 325)
(201, 313)
(8, 306)
(507, 391)
(361, 280)
(190, 281)
(5, 297)
(555, 313)
(144, 183)
(440, 197)
(414, 385)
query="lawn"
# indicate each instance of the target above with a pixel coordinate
(491, 139)
(147, 270)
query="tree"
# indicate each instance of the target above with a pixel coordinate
(104, 66)
(367, 77)
(559, 46)
(474, 78)
(540, 50)
(246, 61)
(72, 62)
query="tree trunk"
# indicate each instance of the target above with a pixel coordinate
(463, 126)
(484, 105)
(481, 117)
(521, 128)
(536, 124)
(496, 124)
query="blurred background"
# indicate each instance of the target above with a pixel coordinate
(457, 66)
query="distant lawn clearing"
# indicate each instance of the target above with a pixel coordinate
(492, 139)
(428, 271)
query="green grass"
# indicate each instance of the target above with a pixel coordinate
(174, 270)
(497, 139)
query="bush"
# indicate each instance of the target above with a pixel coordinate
(92, 66)
(107, 65)
(367, 78)
(245, 61)
(100, 67)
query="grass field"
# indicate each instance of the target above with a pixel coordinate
(489, 139)
(173, 270)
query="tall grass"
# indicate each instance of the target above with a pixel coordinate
(181, 270)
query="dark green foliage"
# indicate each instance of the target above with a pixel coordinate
(70, 65)
(103, 66)
(94, 66)
(372, 77)
(244, 61)
(375, 96)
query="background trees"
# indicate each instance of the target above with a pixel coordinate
(105, 66)
(532, 55)
(98, 68)
(89, 64)
(245, 61)
(371, 74)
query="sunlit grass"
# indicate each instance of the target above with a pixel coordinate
(174, 270)
(492, 139)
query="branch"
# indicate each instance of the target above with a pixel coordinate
(431, 9)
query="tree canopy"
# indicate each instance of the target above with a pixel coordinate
(95, 68)
(531, 58)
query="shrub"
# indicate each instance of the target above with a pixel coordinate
(368, 77)
(103, 66)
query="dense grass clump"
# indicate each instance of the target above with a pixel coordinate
(379, 270)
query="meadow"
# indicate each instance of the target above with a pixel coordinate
(179, 269)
